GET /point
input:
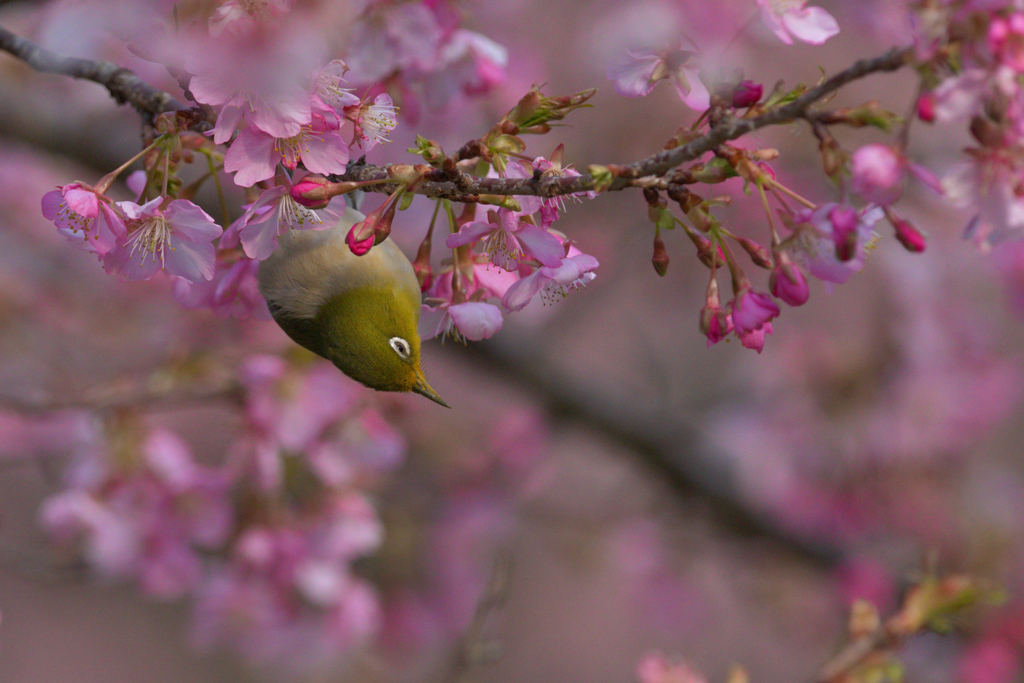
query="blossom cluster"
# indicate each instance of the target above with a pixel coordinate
(520, 257)
(281, 114)
(263, 543)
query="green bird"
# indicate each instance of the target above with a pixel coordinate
(359, 312)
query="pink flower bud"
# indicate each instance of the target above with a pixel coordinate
(752, 310)
(715, 324)
(909, 236)
(787, 282)
(747, 94)
(424, 273)
(360, 237)
(758, 254)
(877, 174)
(311, 192)
(383, 227)
(926, 108)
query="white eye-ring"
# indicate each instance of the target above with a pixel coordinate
(400, 346)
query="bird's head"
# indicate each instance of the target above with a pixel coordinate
(371, 335)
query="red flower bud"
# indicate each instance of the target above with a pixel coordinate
(660, 258)
(311, 192)
(909, 236)
(758, 254)
(926, 108)
(747, 94)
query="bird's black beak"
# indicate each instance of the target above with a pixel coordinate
(423, 389)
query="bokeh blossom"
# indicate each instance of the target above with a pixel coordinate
(790, 19)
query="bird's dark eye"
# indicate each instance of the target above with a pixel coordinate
(400, 346)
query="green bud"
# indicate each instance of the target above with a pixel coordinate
(429, 150)
(507, 144)
(535, 111)
(715, 171)
(602, 176)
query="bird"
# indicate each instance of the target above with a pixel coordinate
(359, 312)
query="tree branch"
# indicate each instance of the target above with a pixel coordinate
(638, 173)
(123, 84)
(127, 88)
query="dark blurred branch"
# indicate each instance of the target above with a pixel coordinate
(473, 646)
(116, 396)
(124, 86)
(674, 452)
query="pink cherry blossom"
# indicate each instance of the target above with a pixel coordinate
(275, 212)
(329, 97)
(177, 239)
(1006, 40)
(754, 339)
(790, 18)
(231, 292)
(292, 408)
(574, 272)
(87, 219)
(467, 62)
(635, 73)
(879, 172)
(787, 282)
(254, 155)
(393, 37)
(508, 240)
(715, 323)
(472, 320)
(256, 79)
(241, 17)
(752, 310)
(147, 521)
(747, 94)
(376, 120)
(992, 187)
(823, 233)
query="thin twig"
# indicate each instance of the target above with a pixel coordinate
(729, 128)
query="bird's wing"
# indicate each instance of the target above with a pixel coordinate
(311, 266)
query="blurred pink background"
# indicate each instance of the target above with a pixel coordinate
(647, 493)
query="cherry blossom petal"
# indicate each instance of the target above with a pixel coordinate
(191, 222)
(523, 291)
(631, 73)
(252, 157)
(283, 117)
(82, 202)
(540, 244)
(468, 233)
(475, 320)
(259, 235)
(227, 121)
(811, 24)
(698, 98)
(325, 153)
(191, 260)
